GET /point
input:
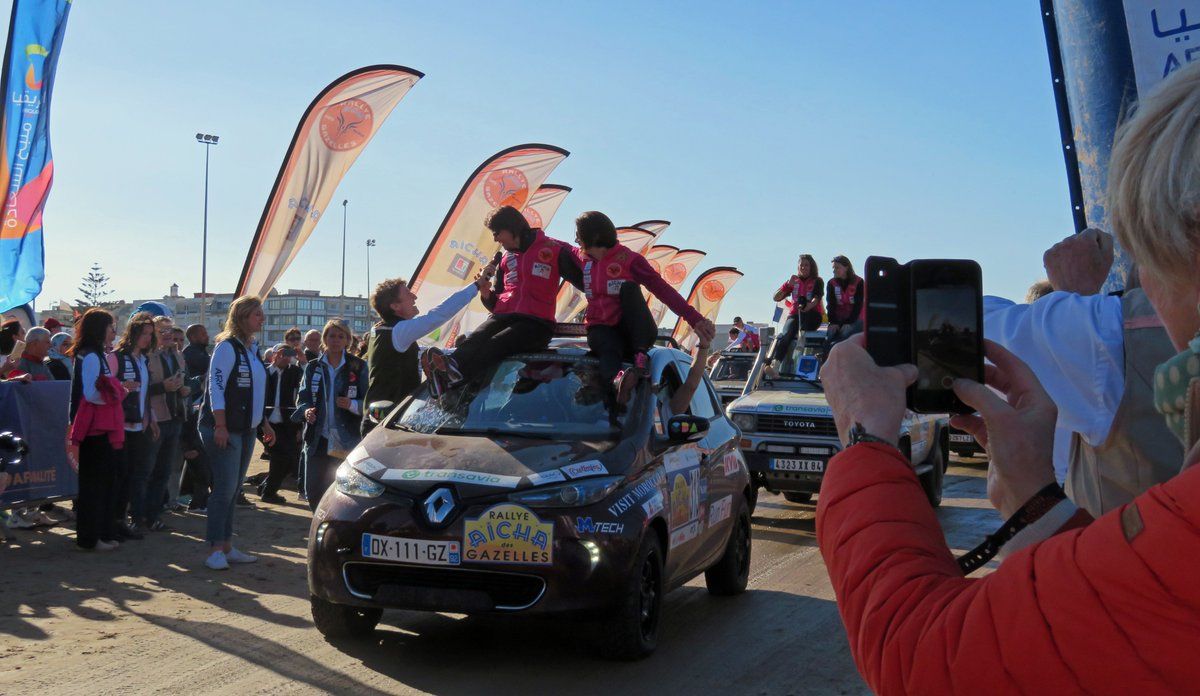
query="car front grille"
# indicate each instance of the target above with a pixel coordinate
(446, 589)
(797, 425)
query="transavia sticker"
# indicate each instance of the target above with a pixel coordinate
(508, 533)
(719, 510)
(585, 525)
(582, 469)
(814, 410)
(478, 478)
(551, 476)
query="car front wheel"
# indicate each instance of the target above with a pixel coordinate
(336, 621)
(801, 498)
(731, 574)
(631, 633)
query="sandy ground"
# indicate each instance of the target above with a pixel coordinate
(150, 618)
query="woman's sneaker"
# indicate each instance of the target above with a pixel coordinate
(217, 561)
(235, 556)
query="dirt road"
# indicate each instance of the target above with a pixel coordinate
(149, 618)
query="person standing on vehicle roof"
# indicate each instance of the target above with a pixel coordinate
(522, 302)
(619, 324)
(803, 295)
(747, 338)
(844, 298)
(392, 370)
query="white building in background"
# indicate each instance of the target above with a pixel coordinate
(303, 309)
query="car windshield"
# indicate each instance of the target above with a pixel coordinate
(547, 396)
(732, 369)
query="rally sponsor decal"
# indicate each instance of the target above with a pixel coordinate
(640, 493)
(368, 466)
(685, 497)
(508, 533)
(720, 510)
(582, 469)
(477, 478)
(586, 525)
(552, 476)
(654, 505)
(685, 534)
(682, 459)
(731, 464)
(781, 408)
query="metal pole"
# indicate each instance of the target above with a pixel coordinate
(204, 253)
(342, 299)
(368, 268)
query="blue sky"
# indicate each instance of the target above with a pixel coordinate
(761, 130)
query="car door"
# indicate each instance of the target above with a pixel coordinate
(686, 484)
(718, 487)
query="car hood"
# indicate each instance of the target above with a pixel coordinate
(781, 401)
(480, 465)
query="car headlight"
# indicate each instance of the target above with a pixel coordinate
(575, 494)
(351, 482)
(747, 422)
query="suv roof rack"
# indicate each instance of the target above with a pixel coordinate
(569, 329)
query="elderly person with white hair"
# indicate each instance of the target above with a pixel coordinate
(1109, 605)
(33, 361)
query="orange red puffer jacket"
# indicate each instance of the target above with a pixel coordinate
(1087, 610)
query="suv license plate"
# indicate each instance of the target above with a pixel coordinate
(421, 551)
(955, 437)
(810, 465)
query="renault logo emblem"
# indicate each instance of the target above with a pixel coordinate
(439, 506)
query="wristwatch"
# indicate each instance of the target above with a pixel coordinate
(858, 434)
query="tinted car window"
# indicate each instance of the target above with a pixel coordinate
(731, 369)
(553, 396)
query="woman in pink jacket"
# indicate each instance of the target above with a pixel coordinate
(1104, 606)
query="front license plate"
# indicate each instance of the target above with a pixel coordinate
(809, 465)
(954, 437)
(421, 551)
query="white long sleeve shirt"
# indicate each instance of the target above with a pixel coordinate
(406, 331)
(90, 371)
(224, 358)
(1075, 344)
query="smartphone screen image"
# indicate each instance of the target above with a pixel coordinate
(947, 343)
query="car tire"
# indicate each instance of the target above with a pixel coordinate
(932, 480)
(341, 621)
(801, 498)
(731, 574)
(631, 633)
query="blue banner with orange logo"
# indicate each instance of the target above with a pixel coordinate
(35, 36)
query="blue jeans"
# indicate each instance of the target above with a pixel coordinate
(165, 464)
(228, 467)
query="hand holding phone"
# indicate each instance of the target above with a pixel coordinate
(930, 313)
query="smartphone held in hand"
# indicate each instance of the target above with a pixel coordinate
(928, 312)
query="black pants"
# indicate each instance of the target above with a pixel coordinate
(284, 456)
(128, 459)
(94, 504)
(498, 338)
(635, 333)
(805, 321)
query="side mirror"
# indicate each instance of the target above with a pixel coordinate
(686, 428)
(378, 410)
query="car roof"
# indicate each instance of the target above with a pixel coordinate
(660, 356)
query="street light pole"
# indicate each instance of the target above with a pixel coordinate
(342, 300)
(207, 140)
(370, 243)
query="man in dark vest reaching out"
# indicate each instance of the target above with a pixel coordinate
(392, 370)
